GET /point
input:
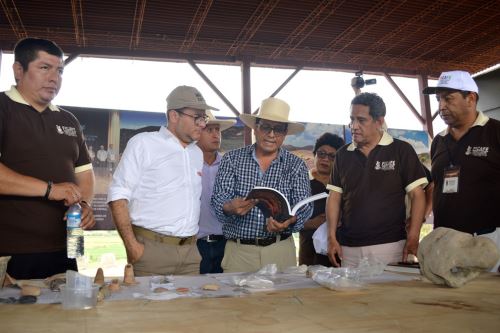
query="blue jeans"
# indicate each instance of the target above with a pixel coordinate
(211, 255)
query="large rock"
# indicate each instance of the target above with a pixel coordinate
(453, 258)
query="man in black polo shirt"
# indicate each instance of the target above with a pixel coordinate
(367, 192)
(465, 160)
(44, 165)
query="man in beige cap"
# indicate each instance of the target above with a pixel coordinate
(253, 240)
(155, 192)
(211, 242)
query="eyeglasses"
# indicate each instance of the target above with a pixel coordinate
(198, 120)
(279, 129)
(324, 154)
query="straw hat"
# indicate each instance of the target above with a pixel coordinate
(273, 109)
(223, 123)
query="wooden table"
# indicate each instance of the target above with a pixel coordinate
(412, 306)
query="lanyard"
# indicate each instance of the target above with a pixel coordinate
(452, 154)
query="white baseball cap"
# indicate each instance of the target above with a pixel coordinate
(457, 80)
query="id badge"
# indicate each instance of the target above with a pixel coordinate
(451, 177)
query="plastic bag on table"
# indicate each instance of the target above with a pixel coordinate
(335, 281)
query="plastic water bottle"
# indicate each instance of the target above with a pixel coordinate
(74, 233)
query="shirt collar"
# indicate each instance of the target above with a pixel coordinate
(167, 134)
(14, 95)
(281, 152)
(385, 140)
(218, 158)
(311, 177)
(481, 120)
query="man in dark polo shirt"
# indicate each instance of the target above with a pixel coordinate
(44, 165)
(465, 160)
(367, 192)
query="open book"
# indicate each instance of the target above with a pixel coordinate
(273, 203)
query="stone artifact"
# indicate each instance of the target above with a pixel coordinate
(114, 286)
(55, 281)
(211, 286)
(3, 269)
(159, 290)
(8, 281)
(103, 293)
(453, 258)
(128, 275)
(99, 277)
(30, 291)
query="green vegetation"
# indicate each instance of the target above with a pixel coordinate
(100, 242)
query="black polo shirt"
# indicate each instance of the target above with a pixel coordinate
(476, 206)
(373, 191)
(47, 145)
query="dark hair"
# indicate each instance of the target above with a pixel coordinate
(26, 50)
(374, 102)
(465, 93)
(328, 139)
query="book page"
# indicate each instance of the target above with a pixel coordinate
(308, 200)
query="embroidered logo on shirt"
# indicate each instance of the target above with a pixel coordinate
(69, 131)
(477, 151)
(385, 165)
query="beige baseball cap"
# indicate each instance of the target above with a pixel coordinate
(187, 97)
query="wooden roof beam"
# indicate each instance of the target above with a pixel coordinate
(317, 16)
(12, 14)
(135, 36)
(404, 98)
(77, 14)
(196, 24)
(252, 26)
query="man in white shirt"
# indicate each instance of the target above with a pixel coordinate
(102, 156)
(155, 192)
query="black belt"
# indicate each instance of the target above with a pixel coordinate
(212, 238)
(261, 241)
(485, 231)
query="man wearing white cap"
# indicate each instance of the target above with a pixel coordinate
(253, 240)
(465, 160)
(211, 241)
(155, 192)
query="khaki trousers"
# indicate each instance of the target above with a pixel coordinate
(386, 253)
(166, 259)
(250, 258)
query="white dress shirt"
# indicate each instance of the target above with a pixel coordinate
(161, 181)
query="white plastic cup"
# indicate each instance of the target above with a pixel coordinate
(79, 299)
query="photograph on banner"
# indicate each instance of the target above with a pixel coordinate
(302, 144)
(107, 133)
(419, 140)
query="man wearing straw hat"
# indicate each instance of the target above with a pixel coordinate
(253, 240)
(211, 241)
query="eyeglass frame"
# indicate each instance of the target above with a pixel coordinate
(270, 128)
(323, 154)
(197, 119)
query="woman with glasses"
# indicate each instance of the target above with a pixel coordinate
(324, 154)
